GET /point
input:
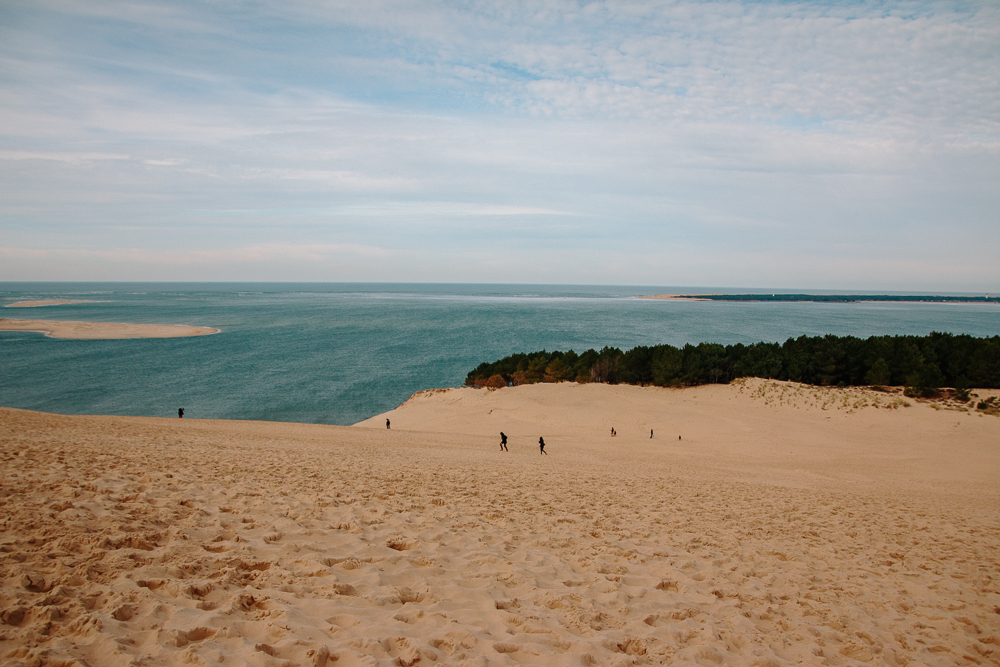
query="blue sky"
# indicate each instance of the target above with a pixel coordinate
(838, 145)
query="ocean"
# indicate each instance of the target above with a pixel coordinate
(340, 353)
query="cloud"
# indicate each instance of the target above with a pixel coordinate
(250, 254)
(71, 158)
(169, 162)
(743, 130)
(386, 209)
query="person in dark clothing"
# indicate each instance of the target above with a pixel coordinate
(541, 445)
(387, 423)
(180, 413)
(503, 442)
(650, 434)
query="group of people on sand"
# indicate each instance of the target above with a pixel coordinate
(503, 436)
(503, 443)
(541, 440)
(614, 433)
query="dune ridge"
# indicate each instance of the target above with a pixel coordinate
(876, 539)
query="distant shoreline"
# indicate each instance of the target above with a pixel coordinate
(104, 330)
(47, 302)
(674, 297)
(826, 298)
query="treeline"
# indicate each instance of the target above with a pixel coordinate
(842, 298)
(923, 363)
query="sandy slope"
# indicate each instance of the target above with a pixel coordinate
(103, 330)
(785, 528)
(773, 432)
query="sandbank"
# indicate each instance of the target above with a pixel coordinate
(790, 525)
(672, 297)
(103, 330)
(47, 302)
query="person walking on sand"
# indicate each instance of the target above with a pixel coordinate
(541, 445)
(503, 442)
(387, 423)
(180, 413)
(650, 434)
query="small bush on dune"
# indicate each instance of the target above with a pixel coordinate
(495, 382)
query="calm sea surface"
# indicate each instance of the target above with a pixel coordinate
(339, 353)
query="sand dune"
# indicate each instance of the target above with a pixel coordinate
(103, 330)
(788, 526)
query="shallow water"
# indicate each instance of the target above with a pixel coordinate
(339, 353)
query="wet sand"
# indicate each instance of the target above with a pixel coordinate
(789, 525)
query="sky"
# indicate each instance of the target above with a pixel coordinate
(826, 145)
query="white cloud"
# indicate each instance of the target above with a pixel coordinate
(72, 158)
(168, 162)
(396, 209)
(264, 252)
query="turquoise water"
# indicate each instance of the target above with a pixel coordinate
(339, 353)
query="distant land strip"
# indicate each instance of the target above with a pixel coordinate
(832, 298)
(46, 302)
(104, 330)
